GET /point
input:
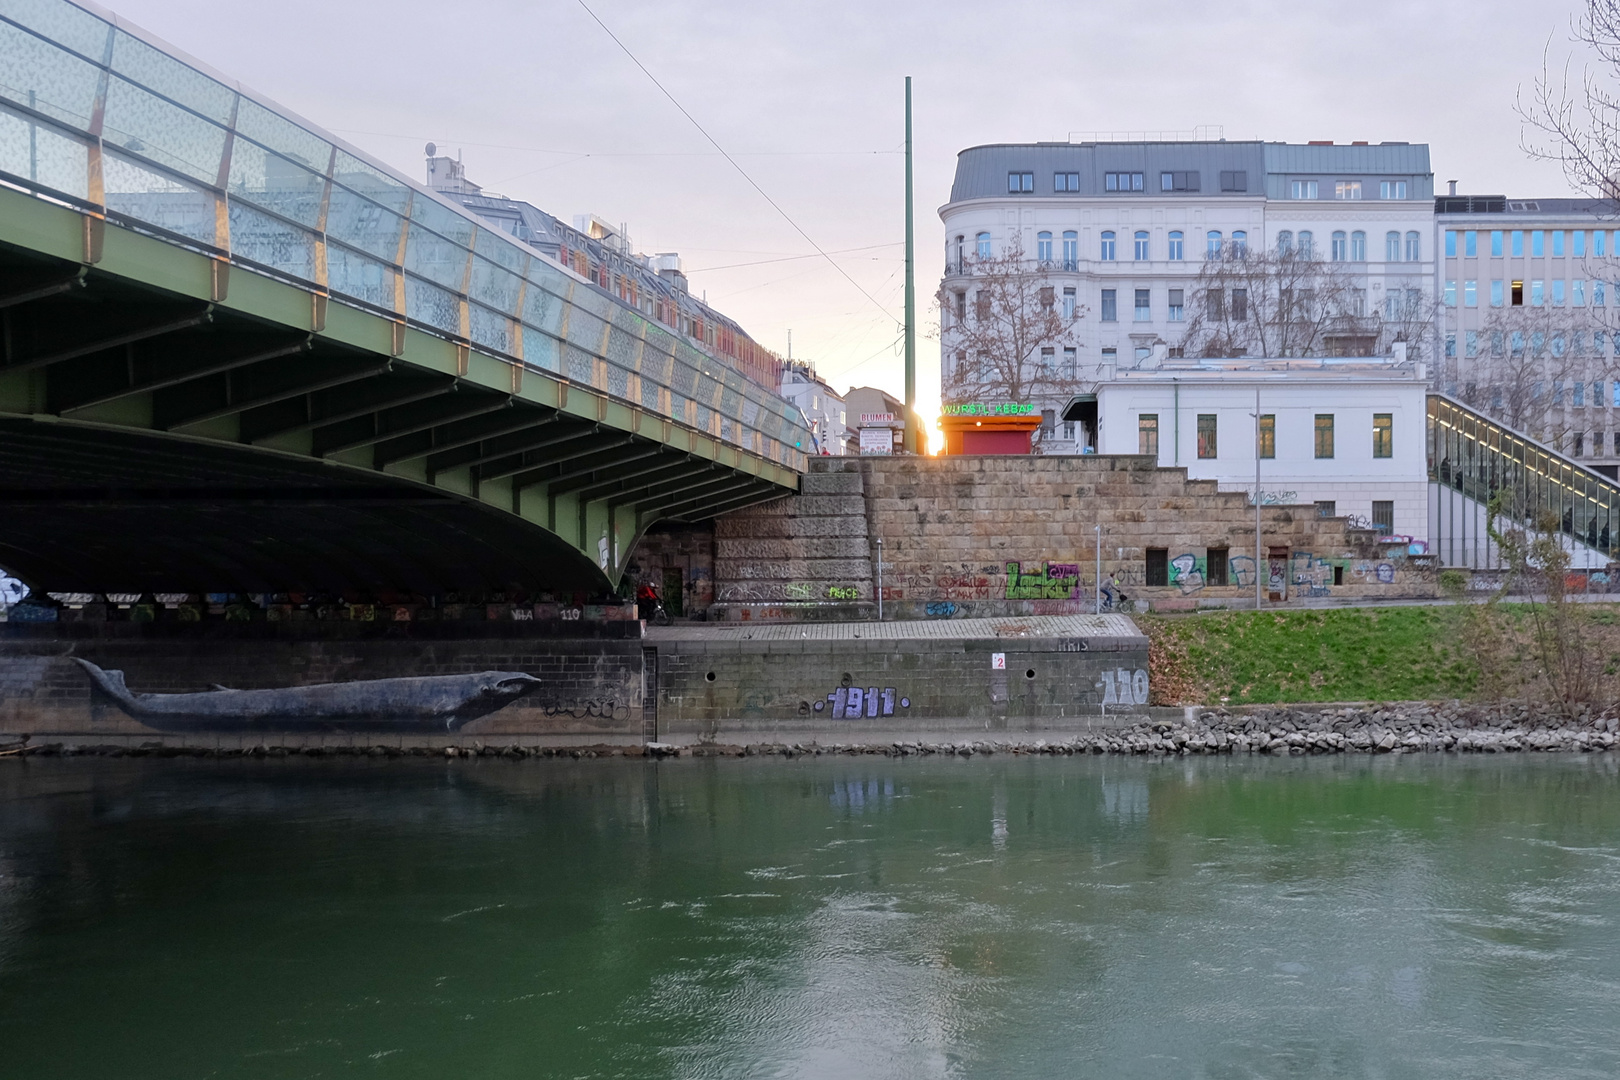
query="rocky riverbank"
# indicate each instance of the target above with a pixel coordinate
(1417, 727)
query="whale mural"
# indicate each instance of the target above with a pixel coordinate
(429, 704)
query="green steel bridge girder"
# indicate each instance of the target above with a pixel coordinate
(121, 347)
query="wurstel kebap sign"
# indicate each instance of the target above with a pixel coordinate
(993, 408)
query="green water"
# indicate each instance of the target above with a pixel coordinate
(1205, 918)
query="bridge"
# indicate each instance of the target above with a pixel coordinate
(240, 354)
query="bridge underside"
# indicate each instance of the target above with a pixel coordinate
(154, 440)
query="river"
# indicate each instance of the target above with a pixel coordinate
(1212, 918)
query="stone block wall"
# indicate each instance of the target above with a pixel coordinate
(1002, 535)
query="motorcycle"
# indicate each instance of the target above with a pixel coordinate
(650, 606)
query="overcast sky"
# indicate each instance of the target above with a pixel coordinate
(808, 97)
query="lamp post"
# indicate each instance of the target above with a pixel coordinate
(1258, 562)
(1098, 527)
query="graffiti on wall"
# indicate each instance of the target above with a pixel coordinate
(1054, 581)
(1312, 576)
(854, 702)
(1121, 686)
(1187, 572)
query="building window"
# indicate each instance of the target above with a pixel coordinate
(1558, 293)
(1020, 183)
(1471, 343)
(1215, 563)
(1143, 353)
(981, 305)
(1451, 293)
(1470, 244)
(1451, 243)
(1392, 247)
(1597, 294)
(1358, 246)
(1347, 189)
(1496, 292)
(1577, 243)
(981, 244)
(1176, 308)
(1383, 516)
(1517, 243)
(1043, 247)
(1470, 293)
(1517, 294)
(1108, 246)
(1110, 358)
(1206, 435)
(1214, 304)
(1158, 566)
(1414, 247)
(1451, 345)
(1392, 189)
(1212, 244)
(1341, 246)
(1071, 250)
(961, 307)
(1303, 189)
(1048, 363)
(1383, 435)
(1235, 180)
(1178, 181)
(1240, 244)
(1326, 508)
(1144, 312)
(1538, 243)
(1110, 306)
(1597, 241)
(1578, 390)
(1577, 293)
(1141, 246)
(1268, 435)
(1240, 305)
(1285, 242)
(1068, 303)
(1324, 435)
(1176, 246)
(1537, 295)
(1069, 366)
(1558, 242)
(1496, 243)
(1066, 181)
(1122, 181)
(1580, 444)
(1147, 434)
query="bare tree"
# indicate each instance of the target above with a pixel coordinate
(1290, 302)
(1575, 121)
(1003, 333)
(1542, 370)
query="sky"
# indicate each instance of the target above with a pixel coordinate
(807, 98)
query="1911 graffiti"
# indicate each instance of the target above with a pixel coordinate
(1121, 686)
(853, 702)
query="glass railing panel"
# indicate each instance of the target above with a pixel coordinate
(44, 78)
(542, 309)
(429, 255)
(351, 274)
(541, 350)
(272, 242)
(44, 156)
(499, 250)
(286, 138)
(432, 306)
(71, 26)
(371, 182)
(159, 72)
(271, 182)
(427, 211)
(489, 329)
(160, 131)
(494, 286)
(159, 199)
(363, 224)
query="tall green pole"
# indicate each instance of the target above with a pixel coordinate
(913, 443)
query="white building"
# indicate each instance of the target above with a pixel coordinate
(1124, 228)
(823, 409)
(1347, 435)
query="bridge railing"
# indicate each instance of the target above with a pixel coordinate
(105, 119)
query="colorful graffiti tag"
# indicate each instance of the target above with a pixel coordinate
(853, 702)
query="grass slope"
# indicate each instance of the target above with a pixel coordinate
(1350, 654)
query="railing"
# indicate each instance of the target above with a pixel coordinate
(1480, 459)
(96, 117)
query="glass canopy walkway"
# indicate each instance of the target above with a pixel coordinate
(1473, 459)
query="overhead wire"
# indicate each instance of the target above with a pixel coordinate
(733, 161)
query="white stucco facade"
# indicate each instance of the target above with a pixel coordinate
(823, 409)
(1359, 399)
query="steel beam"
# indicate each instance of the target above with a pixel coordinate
(277, 396)
(457, 442)
(564, 482)
(433, 390)
(584, 432)
(497, 474)
(104, 344)
(55, 289)
(307, 345)
(674, 469)
(477, 409)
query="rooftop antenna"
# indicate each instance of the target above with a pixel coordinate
(790, 345)
(431, 150)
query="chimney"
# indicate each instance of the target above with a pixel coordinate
(1452, 187)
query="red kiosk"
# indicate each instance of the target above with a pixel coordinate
(1001, 427)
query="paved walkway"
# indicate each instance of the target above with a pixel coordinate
(1017, 626)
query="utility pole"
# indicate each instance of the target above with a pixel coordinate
(1258, 561)
(913, 440)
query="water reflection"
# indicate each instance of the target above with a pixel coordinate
(835, 917)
